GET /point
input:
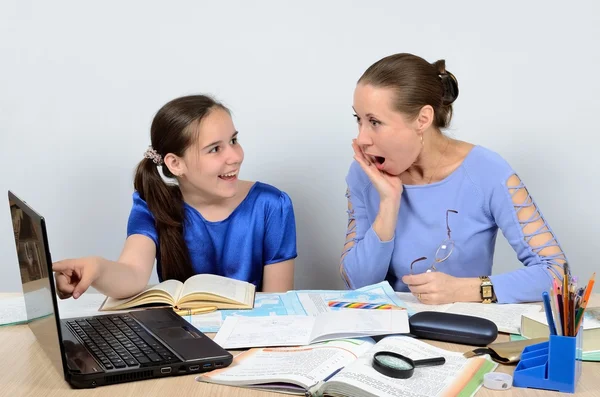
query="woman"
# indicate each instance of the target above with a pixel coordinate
(424, 209)
(209, 221)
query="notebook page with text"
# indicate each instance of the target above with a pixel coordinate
(283, 368)
(457, 376)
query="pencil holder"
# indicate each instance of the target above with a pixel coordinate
(551, 365)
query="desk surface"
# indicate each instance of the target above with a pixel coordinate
(26, 371)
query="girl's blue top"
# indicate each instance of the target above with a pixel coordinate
(259, 232)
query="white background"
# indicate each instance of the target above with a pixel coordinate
(81, 81)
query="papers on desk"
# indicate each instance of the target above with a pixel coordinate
(313, 370)
(315, 302)
(85, 306)
(298, 303)
(12, 309)
(243, 332)
(507, 317)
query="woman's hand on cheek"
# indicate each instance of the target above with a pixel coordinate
(389, 186)
(433, 288)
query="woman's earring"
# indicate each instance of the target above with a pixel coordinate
(422, 143)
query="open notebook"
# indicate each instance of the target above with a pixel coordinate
(243, 332)
(199, 291)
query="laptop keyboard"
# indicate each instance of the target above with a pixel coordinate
(119, 341)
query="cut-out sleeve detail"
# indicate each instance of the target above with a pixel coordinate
(536, 231)
(351, 230)
(350, 237)
(365, 258)
(532, 238)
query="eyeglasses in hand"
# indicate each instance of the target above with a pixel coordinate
(443, 251)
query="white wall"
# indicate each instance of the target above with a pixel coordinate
(80, 83)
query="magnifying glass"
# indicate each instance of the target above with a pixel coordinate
(398, 366)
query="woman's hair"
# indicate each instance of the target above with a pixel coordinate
(174, 129)
(416, 83)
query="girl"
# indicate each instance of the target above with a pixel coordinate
(209, 221)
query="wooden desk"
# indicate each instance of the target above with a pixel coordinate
(25, 370)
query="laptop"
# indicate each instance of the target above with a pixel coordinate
(103, 349)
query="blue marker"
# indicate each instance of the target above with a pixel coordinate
(548, 310)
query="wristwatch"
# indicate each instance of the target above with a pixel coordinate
(487, 290)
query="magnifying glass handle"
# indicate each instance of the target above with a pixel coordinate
(429, 361)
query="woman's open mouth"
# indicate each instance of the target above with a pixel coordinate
(229, 176)
(378, 161)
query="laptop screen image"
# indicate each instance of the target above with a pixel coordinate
(37, 279)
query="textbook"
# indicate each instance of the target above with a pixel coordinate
(535, 325)
(344, 368)
(199, 291)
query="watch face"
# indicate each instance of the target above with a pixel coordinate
(486, 291)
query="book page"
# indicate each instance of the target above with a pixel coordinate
(352, 323)
(301, 366)
(232, 290)
(507, 317)
(415, 306)
(165, 292)
(316, 302)
(457, 376)
(243, 332)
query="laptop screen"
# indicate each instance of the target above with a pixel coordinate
(35, 268)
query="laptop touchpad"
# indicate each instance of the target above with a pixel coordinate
(170, 333)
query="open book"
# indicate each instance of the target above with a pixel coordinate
(242, 332)
(344, 368)
(199, 291)
(507, 317)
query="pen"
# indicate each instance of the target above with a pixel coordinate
(333, 374)
(548, 310)
(190, 312)
(362, 305)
